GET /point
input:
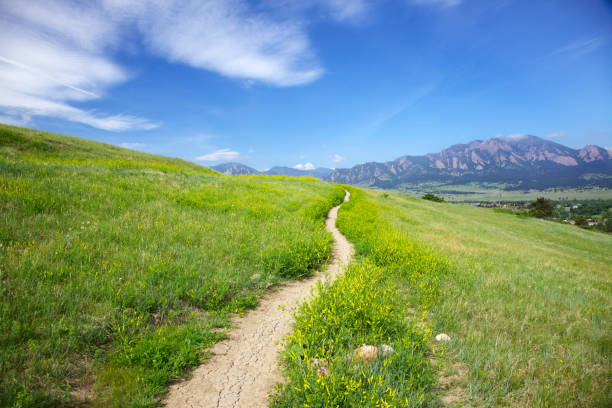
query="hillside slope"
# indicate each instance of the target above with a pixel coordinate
(526, 302)
(118, 265)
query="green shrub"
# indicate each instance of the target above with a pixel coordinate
(541, 208)
(581, 221)
(433, 197)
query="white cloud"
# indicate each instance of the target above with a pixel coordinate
(55, 54)
(129, 145)
(347, 10)
(579, 48)
(343, 11)
(305, 166)
(440, 3)
(225, 36)
(555, 135)
(223, 154)
(15, 119)
(251, 151)
(50, 57)
(336, 158)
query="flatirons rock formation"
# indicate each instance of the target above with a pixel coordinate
(526, 161)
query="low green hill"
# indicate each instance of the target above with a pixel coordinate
(116, 266)
(527, 303)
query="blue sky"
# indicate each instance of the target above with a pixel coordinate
(307, 83)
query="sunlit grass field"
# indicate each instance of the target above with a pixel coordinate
(117, 266)
(475, 192)
(527, 303)
(374, 303)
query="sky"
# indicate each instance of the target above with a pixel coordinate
(307, 83)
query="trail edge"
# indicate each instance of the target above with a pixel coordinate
(243, 369)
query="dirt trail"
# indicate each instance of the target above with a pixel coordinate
(243, 369)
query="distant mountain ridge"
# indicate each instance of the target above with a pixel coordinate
(525, 162)
(241, 169)
(322, 173)
(235, 169)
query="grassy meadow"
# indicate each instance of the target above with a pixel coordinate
(374, 303)
(526, 302)
(475, 192)
(116, 267)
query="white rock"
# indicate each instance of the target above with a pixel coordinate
(386, 350)
(442, 337)
(365, 353)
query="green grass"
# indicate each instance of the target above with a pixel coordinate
(116, 266)
(475, 192)
(372, 303)
(527, 302)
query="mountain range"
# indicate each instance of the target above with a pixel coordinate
(525, 162)
(241, 169)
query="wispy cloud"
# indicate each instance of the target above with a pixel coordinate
(56, 54)
(15, 119)
(412, 99)
(50, 58)
(555, 135)
(129, 145)
(223, 154)
(347, 10)
(305, 166)
(438, 3)
(343, 11)
(228, 37)
(336, 158)
(579, 48)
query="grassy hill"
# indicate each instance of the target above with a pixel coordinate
(527, 304)
(116, 266)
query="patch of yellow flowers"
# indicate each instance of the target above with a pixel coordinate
(367, 305)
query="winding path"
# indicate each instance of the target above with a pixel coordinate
(243, 369)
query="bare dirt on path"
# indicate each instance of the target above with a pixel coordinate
(243, 369)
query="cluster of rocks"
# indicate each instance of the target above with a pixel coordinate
(365, 354)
